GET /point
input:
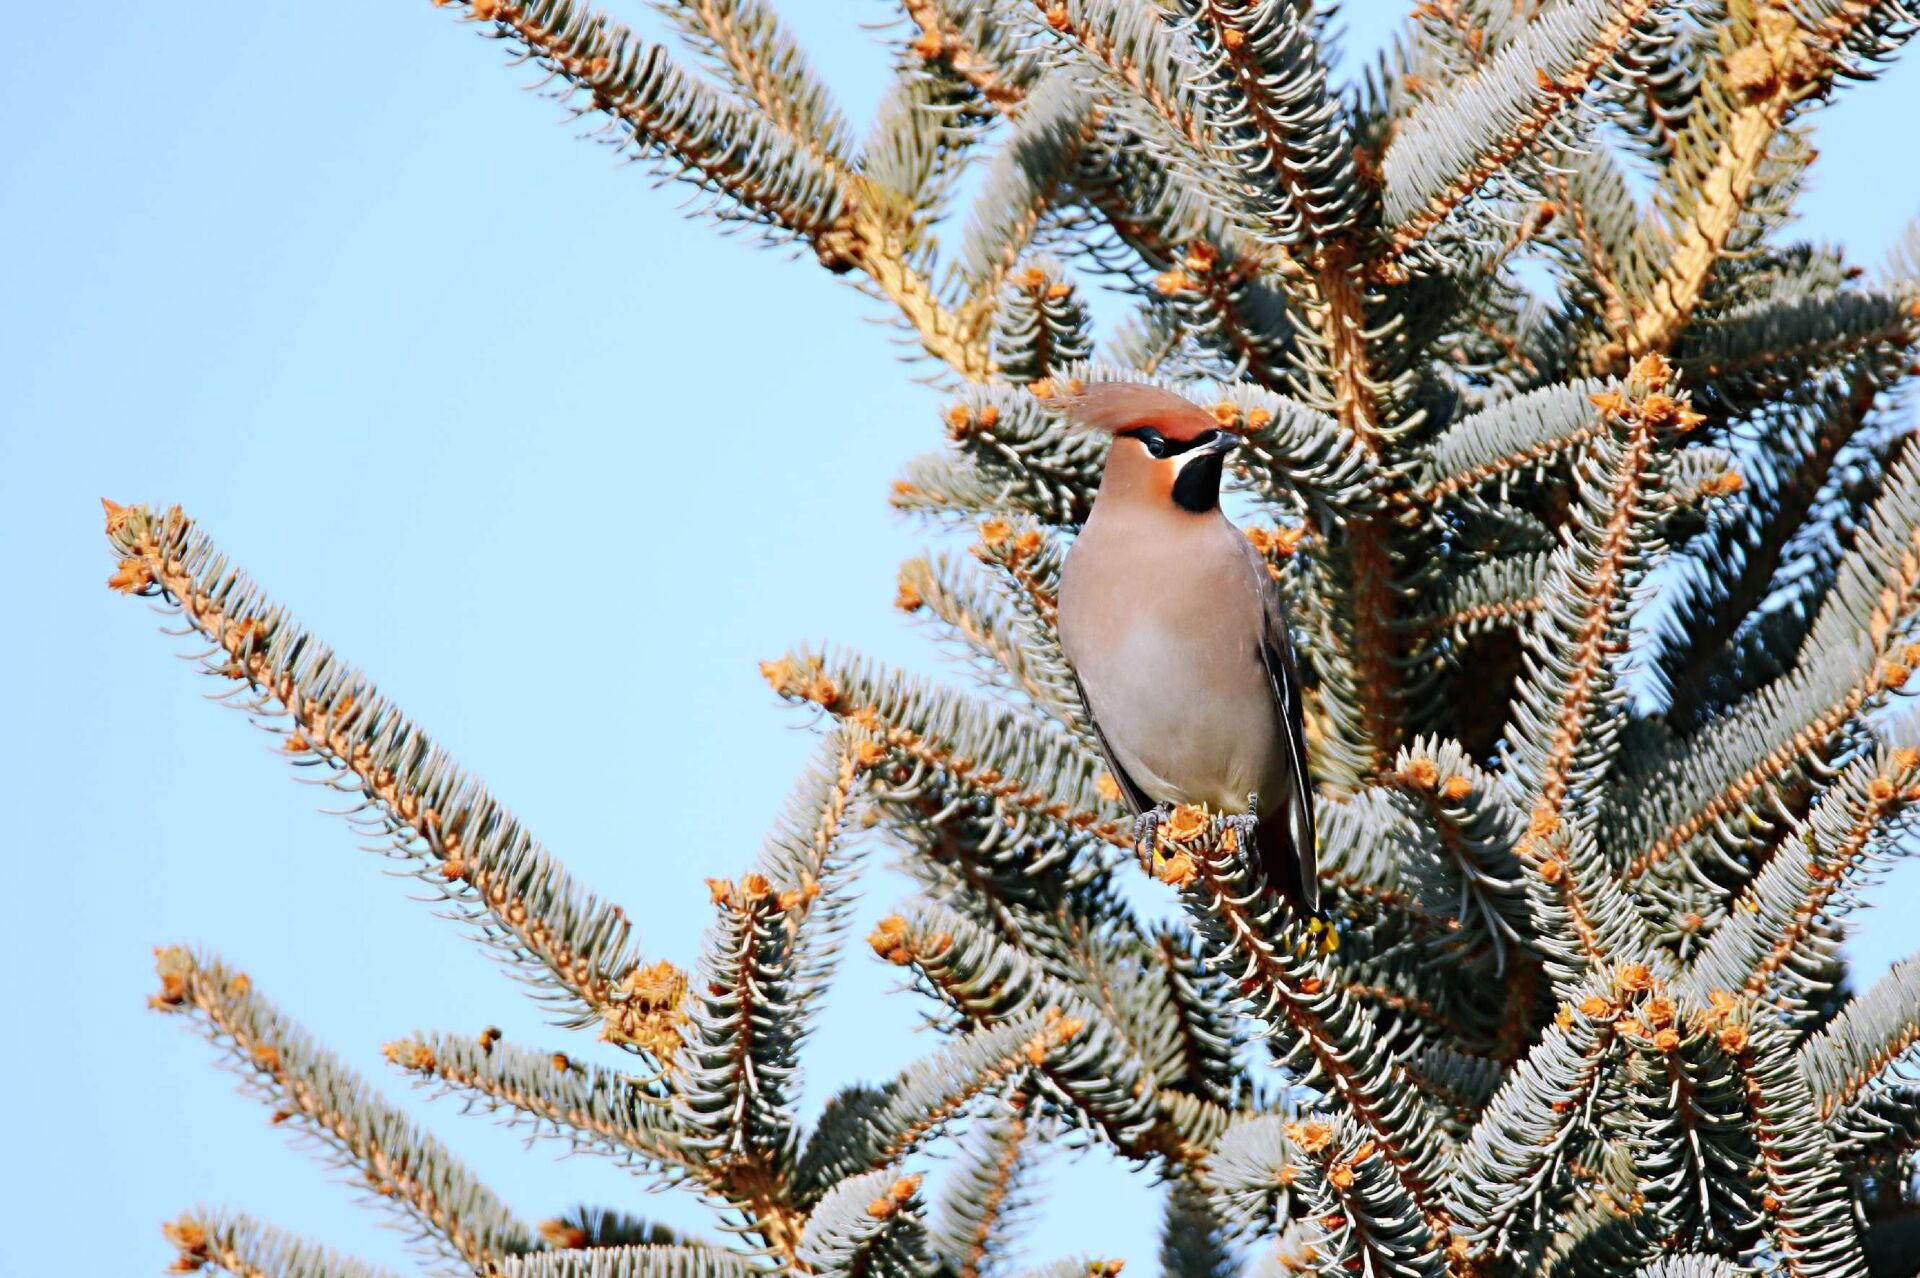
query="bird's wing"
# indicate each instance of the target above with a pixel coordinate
(1136, 797)
(1283, 677)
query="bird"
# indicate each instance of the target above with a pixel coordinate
(1178, 640)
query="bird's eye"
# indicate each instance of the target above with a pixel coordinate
(1156, 444)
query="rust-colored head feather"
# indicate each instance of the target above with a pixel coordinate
(1116, 406)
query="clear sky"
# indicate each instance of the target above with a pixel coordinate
(553, 464)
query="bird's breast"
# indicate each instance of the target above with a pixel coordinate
(1169, 656)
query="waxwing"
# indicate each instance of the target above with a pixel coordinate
(1176, 634)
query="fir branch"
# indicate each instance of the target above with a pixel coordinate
(1811, 1217)
(992, 984)
(984, 1191)
(886, 1125)
(968, 43)
(1362, 1216)
(1509, 440)
(461, 842)
(593, 1109)
(1856, 655)
(750, 48)
(742, 1039)
(1023, 182)
(868, 1227)
(1859, 1055)
(1692, 1265)
(1475, 830)
(1449, 147)
(1027, 661)
(1764, 349)
(739, 155)
(1499, 592)
(1019, 763)
(1041, 325)
(1192, 1243)
(1566, 713)
(637, 1261)
(600, 1227)
(1281, 124)
(237, 1244)
(808, 865)
(453, 1215)
(1251, 1171)
(1305, 1002)
(1808, 883)
(1724, 153)
(1501, 1178)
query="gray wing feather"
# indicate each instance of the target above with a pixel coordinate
(1283, 677)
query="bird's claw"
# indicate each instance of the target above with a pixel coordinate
(1246, 830)
(1146, 832)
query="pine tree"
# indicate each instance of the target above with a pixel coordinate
(1592, 499)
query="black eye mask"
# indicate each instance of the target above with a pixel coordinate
(1196, 488)
(1160, 446)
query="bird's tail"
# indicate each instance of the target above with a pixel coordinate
(1289, 872)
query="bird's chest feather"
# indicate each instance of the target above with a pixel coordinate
(1166, 645)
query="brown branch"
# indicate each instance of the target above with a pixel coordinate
(1586, 660)
(1744, 109)
(309, 1093)
(1522, 135)
(1209, 872)
(861, 237)
(1885, 794)
(160, 554)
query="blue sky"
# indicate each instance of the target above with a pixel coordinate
(553, 464)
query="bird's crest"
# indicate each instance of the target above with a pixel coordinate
(1116, 406)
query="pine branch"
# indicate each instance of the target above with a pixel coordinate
(1779, 63)
(1860, 1054)
(1856, 655)
(1305, 1003)
(1566, 713)
(237, 1244)
(1450, 147)
(735, 153)
(457, 838)
(597, 1110)
(984, 1192)
(453, 1215)
(640, 1261)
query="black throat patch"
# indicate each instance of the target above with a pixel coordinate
(1197, 487)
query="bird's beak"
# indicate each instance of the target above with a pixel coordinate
(1220, 443)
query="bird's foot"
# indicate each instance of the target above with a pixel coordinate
(1245, 827)
(1146, 833)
